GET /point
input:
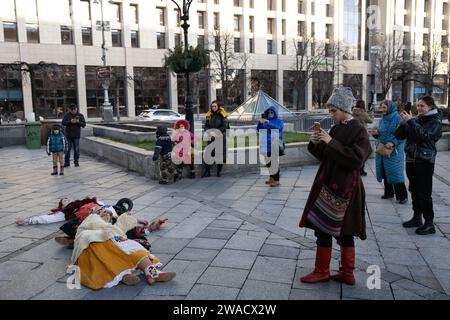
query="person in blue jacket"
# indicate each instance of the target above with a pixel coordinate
(391, 169)
(271, 121)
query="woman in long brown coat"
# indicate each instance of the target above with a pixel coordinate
(336, 203)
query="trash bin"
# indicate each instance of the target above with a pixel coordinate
(33, 135)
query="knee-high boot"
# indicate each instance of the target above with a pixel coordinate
(322, 266)
(346, 267)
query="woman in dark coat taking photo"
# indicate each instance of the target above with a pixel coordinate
(336, 203)
(421, 134)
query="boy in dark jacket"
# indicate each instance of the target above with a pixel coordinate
(56, 146)
(73, 121)
(163, 148)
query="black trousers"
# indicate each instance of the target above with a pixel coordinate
(325, 240)
(398, 189)
(420, 177)
(276, 176)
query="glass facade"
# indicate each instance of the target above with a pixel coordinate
(352, 29)
(53, 91)
(265, 80)
(199, 90)
(354, 81)
(151, 87)
(95, 92)
(11, 99)
(291, 94)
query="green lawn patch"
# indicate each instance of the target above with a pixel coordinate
(289, 137)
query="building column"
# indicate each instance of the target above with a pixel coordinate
(411, 91)
(27, 94)
(129, 86)
(364, 87)
(309, 96)
(81, 88)
(279, 91)
(173, 91)
(211, 87)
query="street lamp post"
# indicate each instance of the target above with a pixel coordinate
(184, 16)
(107, 112)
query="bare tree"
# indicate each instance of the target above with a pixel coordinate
(228, 64)
(388, 62)
(328, 72)
(306, 64)
(431, 65)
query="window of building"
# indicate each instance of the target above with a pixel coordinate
(328, 10)
(95, 93)
(134, 13)
(251, 22)
(252, 4)
(283, 47)
(161, 16)
(270, 26)
(313, 7)
(86, 35)
(237, 44)
(177, 17)
(270, 5)
(160, 40)
(134, 39)
(313, 29)
(177, 40)
(237, 3)
(66, 35)
(237, 23)
(11, 93)
(216, 21)
(116, 37)
(251, 44)
(283, 26)
(301, 28)
(328, 31)
(300, 7)
(217, 43)
(117, 16)
(85, 10)
(283, 5)
(201, 41)
(201, 19)
(10, 31)
(352, 29)
(32, 33)
(269, 46)
(216, 1)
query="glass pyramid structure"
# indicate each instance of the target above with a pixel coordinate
(252, 109)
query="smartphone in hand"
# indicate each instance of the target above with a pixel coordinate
(317, 127)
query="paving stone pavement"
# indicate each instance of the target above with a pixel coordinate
(227, 238)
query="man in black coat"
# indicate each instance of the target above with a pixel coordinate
(73, 122)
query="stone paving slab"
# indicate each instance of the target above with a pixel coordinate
(220, 246)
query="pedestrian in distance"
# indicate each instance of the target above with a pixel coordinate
(73, 121)
(57, 146)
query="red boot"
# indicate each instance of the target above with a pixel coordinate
(347, 266)
(322, 267)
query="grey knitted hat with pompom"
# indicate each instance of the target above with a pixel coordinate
(343, 99)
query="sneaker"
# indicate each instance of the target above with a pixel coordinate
(163, 182)
(61, 173)
(427, 228)
(53, 173)
(77, 164)
(403, 201)
(363, 173)
(387, 196)
(66, 165)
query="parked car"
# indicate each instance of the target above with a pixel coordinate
(159, 115)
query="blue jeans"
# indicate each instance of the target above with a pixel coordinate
(75, 143)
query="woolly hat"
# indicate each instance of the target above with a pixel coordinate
(161, 131)
(343, 99)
